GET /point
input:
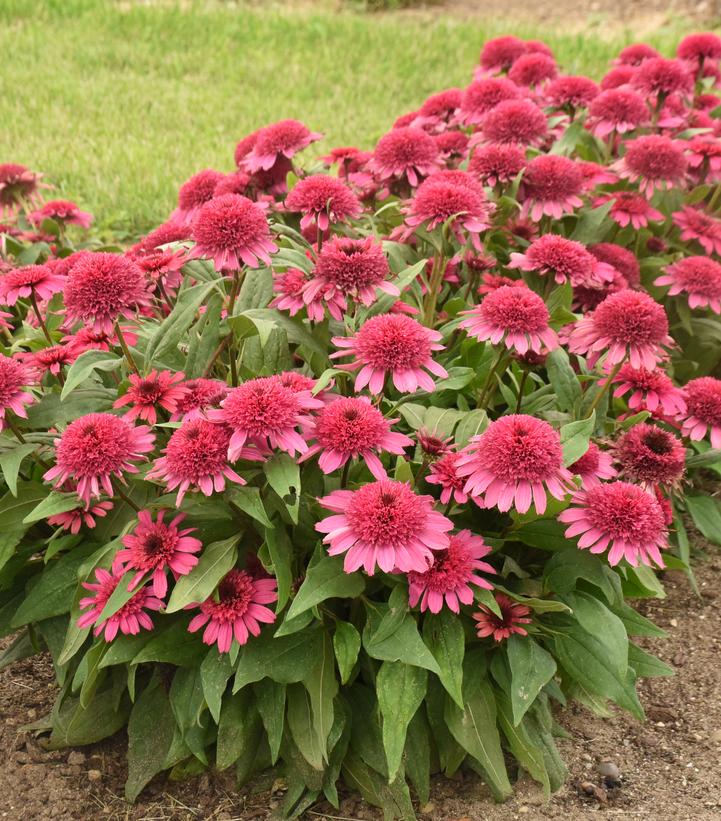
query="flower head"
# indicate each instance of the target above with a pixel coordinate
(281, 140)
(171, 231)
(515, 121)
(571, 92)
(290, 286)
(196, 456)
(533, 69)
(128, 620)
(551, 186)
(626, 324)
(658, 76)
(704, 157)
(439, 109)
(630, 209)
(655, 161)
(485, 94)
(513, 615)
(233, 231)
(266, 413)
(696, 48)
(564, 259)
(18, 184)
(73, 520)
(635, 54)
(698, 277)
(351, 428)
(237, 612)
(392, 344)
(323, 200)
(650, 455)
(703, 403)
(450, 578)
(62, 211)
(194, 193)
(102, 287)
(593, 466)
(432, 445)
(95, 448)
(619, 517)
(696, 224)
(236, 183)
(616, 110)
(155, 546)
(383, 524)
(618, 77)
(516, 461)
(38, 281)
(496, 164)
(650, 390)
(500, 53)
(515, 316)
(159, 389)
(51, 359)
(444, 472)
(198, 396)
(405, 153)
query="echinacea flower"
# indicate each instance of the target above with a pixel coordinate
(171, 231)
(159, 389)
(351, 428)
(483, 95)
(36, 281)
(15, 378)
(194, 193)
(594, 466)
(452, 576)
(704, 157)
(452, 146)
(90, 339)
(516, 461)
(565, 260)
(199, 395)
(630, 209)
(626, 324)
(18, 185)
(658, 77)
(616, 110)
(697, 48)
(395, 345)
(163, 268)
(289, 286)
(654, 161)
(497, 164)
(196, 456)
(703, 409)
(232, 231)
(237, 612)
(635, 54)
(322, 200)
(509, 623)
(439, 109)
(551, 185)
(155, 546)
(383, 524)
(444, 472)
(650, 390)
(73, 520)
(51, 359)
(532, 69)
(101, 287)
(696, 224)
(618, 77)
(515, 316)
(405, 154)
(63, 212)
(698, 277)
(650, 456)
(500, 53)
(432, 445)
(515, 121)
(571, 92)
(128, 620)
(619, 517)
(95, 448)
(620, 258)
(278, 141)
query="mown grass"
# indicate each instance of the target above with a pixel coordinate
(118, 103)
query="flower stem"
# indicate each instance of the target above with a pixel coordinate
(487, 384)
(232, 353)
(521, 386)
(434, 287)
(126, 350)
(597, 398)
(18, 435)
(345, 474)
(128, 501)
(41, 321)
(216, 353)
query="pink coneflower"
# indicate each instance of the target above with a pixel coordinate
(323, 200)
(630, 209)
(51, 359)
(392, 344)
(349, 159)
(650, 455)
(703, 408)
(571, 93)
(616, 110)
(296, 381)
(383, 524)
(587, 298)
(619, 517)
(452, 146)
(439, 109)
(196, 457)
(594, 466)
(95, 448)
(697, 48)
(236, 183)
(515, 316)
(289, 286)
(273, 143)
(159, 389)
(63, 212)
(500, 53)
(162, 268)
(650, 390)
(170, 231)
(18, 185)
(620, 258)
(38, 281)
(655, 161)
(127, 620)
(533, 69)
(626, 324)
(564, 259)
(405, 154)
(698, 225)
(618, 77)
(492, 282)
(551, 185)
(698, 277)
(659, 77)
(233, 231)
(243, 147)
(351, 428)
(594, 174)
(502, 627)
(199, 395)
(266, 413)
(514, 463)
(444, 472)
(515, 121)
(704, 158)
(238, 610)
(635, 54)
(194, 193)
(450, 578)
(432, 445)
(483, 95)
(15, 378)
(497, 164)
(73, 520)
(87, 339)
(156, 546)
(102, 287)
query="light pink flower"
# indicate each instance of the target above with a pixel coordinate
(129, 619)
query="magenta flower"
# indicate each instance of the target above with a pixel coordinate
(73, 520)
(383, 524)
(650, 390)
(698, 277)
(275, 143)
(502, 627)
(564, 259)
(193, 195)
(594, 466)
(199, 395)
(630, 209)
(15, 378)
(515, 121)
(147, 394)
(650, 456)
(38, 281)
(405, 154)
(63, 212)
(698, 225)
(444, 473)
(323, 200)
(655, 162)
(703, 409)
(617, 110)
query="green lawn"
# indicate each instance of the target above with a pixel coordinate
(118, 103)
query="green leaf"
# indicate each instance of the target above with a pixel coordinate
(150, 735)
(286, 659)
(346, 644)
(566, 567)
(443, 633)
(592, 226)
(249, 500)
(174, 645)
(120, 596)
(214, 562)
(173, 327)
(531, 669)
(301, 726)
(326, 580)
(270, 701)
(283, 475)
(706, 515)
(521, 743)
(575, 437)
(646, 665)
(394, 799)
(566, 387)
(401, 689)
(404, 645)
(294, 328)
(85, 365)
(10, 461)
(281, 554)
(215, 671)
(52, 504)
(472, 424)
(418, 756)
(74, 725)
(239, 728)
(322, 688)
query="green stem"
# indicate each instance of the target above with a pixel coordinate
(434, 287)
(128, 501)
(18, 435)
(216, 353)
(36, 309)
(597, 398)
(232, 354)
(522, 385)
(345, 474)
(487, 384)
(126, 350)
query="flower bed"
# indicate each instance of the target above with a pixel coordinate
(354, 474)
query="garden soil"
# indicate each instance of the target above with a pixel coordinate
(668, 768)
